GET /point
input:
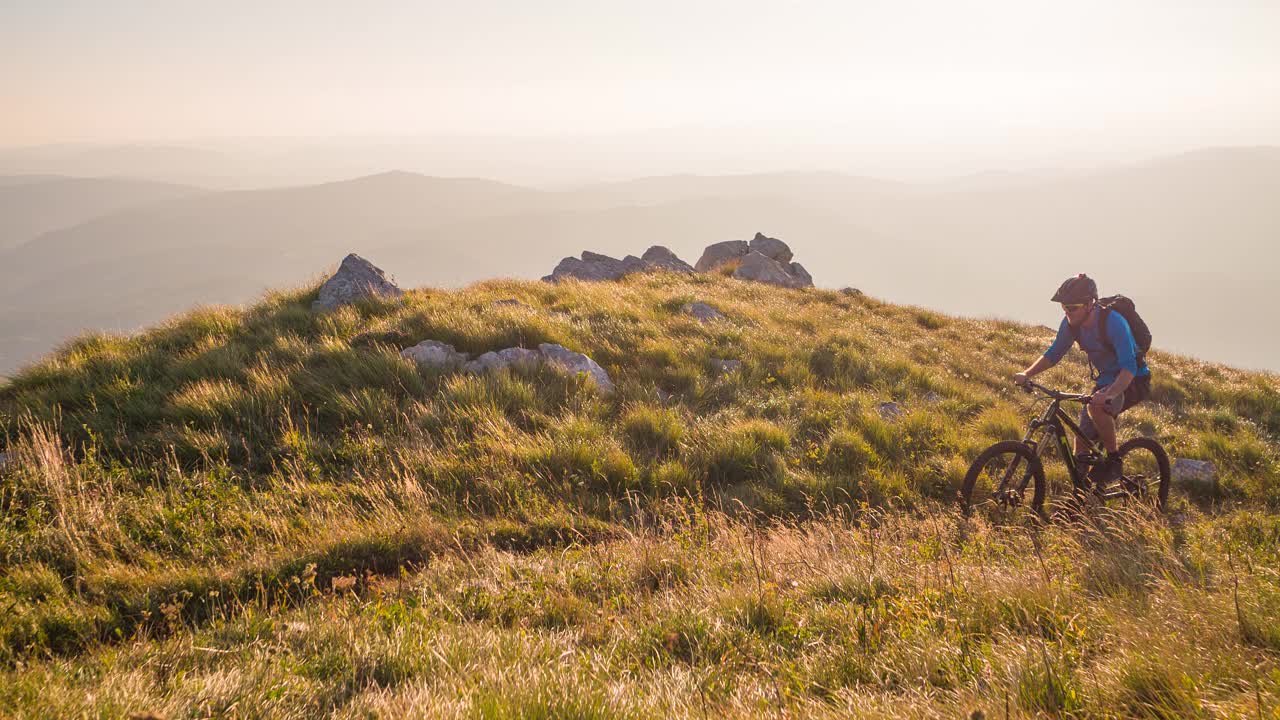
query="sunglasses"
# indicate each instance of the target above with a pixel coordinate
(1072, 307)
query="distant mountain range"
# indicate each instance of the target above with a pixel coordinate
(1192, 237)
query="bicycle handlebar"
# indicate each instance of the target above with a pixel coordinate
(1032, 385)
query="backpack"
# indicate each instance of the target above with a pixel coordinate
(1138, 326)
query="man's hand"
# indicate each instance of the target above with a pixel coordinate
(1021, 379)
(1100, 399)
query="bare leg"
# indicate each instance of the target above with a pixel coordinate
(1106, 426)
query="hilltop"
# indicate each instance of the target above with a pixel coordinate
(268, 512)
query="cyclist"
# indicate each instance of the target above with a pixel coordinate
(1119, 384)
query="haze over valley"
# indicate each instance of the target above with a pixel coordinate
(1190, 236)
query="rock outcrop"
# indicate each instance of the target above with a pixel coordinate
(439, 355)
(596, 267)
(764, 269)
(763, 259)
(721, 253)
(575, 362)
(503, 359)
(355, 280)
(435, 354)
(658, 257)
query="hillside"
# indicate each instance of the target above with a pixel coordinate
(1190, 236)
(265, 512)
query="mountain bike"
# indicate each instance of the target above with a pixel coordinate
(997, 481)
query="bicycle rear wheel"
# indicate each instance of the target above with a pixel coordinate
(1146, 472)
(997, 480)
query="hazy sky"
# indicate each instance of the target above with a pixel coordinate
(1169, 72)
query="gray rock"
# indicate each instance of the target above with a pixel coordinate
(725, 366)
(932, 397)
(574, 362)
(512, 302)
(4, 460)
(355, 280)
(771, 248)
(1195, 473)
(798, 272)
(435, 354)
(503, 359)
(890, 410)
(702, 311)
(595, 267)
(850, 291)
(660, 258)
(720, 253)
(758, 268)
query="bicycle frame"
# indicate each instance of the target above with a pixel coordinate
(1056, 422)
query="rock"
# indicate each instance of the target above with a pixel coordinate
(702, 311)
(435, 354)
(1197, 473)
(771, 248)
(4, 460)
(595, 267)
(355, 280)
(798, 272)
(573, 362)
(503, 359)
(720, 253)
(725, 366)
(890, 410)
(932, 397)
(850, 291)
(658, 257)
(758, 268)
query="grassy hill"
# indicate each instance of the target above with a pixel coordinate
(263, 512)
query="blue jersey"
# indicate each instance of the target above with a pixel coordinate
(1108, 363)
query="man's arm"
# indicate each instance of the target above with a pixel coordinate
(1041, 364)
(1061, 345)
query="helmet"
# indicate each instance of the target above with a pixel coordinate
(1078, 289)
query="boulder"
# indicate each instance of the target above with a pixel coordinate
(595, 267)
(702, 311)
(850, 291)
(658, 257)
(4, 460)
(800, 274)
(1200, 474)
(574, 362)
(758, 268)
(435, 354)
(721, 253)
(512, 302)
(770, 248)
(355, 280)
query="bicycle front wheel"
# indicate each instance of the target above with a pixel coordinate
(997, 481)
(1146, 471)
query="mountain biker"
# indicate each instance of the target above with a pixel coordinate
(1120, 383)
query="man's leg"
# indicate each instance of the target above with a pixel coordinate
(1105, 424)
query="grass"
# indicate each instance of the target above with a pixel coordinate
(262, 512)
